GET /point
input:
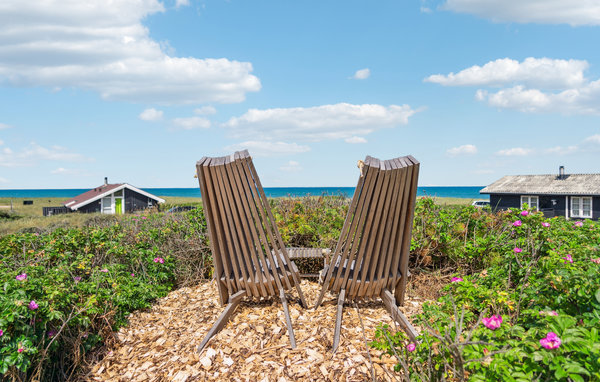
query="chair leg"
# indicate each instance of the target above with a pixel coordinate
(288, 320)
(338, 320)
(234, 301)
(390, 303)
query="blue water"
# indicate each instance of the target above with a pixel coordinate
(470, 192)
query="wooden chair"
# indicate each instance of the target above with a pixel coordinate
(248, 252)
(370, 260)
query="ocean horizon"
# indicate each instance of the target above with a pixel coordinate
(467, 192)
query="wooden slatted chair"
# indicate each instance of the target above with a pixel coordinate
(248, 252)
(370, 260)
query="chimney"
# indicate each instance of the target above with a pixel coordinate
(561, 172)
(106, 179)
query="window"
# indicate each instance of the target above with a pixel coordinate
(531, 201)
(581, 207)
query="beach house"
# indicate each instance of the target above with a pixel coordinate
(115, 198)
(574, 196)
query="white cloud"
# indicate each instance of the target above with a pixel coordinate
(482, 172)
(4, 126)
(535, 85)
(3, 180)
(291, 166)
(579, 12)
(205, 110)
(181, 3)
(515, 152)
(34, 153)
(65, 171)
(151, 115)
(593, 139)
(462, 150)
(538, 72)
(266, 148)
(362, 74)
(1, 142)
(313, 124)
(103, 47)
(559, 150)
(355, 140)
(191, 123)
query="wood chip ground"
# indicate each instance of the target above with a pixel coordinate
(160, 344)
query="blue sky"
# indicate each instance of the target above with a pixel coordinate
(139, 90)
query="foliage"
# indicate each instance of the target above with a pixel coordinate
(531, 281)
(65, 291)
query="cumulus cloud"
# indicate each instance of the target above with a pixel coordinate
(181, 3)
(291, 166)
(538, 72)
(593, 139)
(267, 148)
(66, 171)
(34, 153)
(462, 150)
(191, 123)
(205, 110)
(355, 140)
(105, 48)
(4, 126)
(580, 12)
(560, 150)
(362, 74)
(151, 115)
(313, 124)
(535, 85)
(515, 152)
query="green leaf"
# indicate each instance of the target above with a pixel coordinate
(598, 295)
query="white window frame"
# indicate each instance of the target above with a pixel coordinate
(528, 198)
(579, 212)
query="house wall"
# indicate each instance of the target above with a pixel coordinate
(94, 206)
(505, 201)
(135, 201)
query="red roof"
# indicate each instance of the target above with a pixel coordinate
(91, 194)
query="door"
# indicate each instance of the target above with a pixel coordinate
(118, 206)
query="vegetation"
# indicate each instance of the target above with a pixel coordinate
(523, 304)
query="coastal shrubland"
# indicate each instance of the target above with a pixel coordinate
(507, 299)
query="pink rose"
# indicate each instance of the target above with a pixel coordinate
(568, 259)
(517, 223)
(411, 347)
(456, 279)
(524, 213)
(21, 277)
(545, 224)
(492, 322)
(33, 305)
(517, 250)
(551, 341)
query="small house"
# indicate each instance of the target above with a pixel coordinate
(569, 195)
(113, 199)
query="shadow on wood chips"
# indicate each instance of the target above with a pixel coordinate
(160, 344)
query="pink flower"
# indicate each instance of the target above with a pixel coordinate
(578, 224)
(456, 279)
(104, 270)
(553, 313)
(545, 224)
(1, 333)
(20, 350)
(517, 250)
(21, 277)
(517, 223)
(597, 261)
(524, 213)
(77, 279)
(492, 322)
(159, 260)
(548, 313)
(144, 217)
(33, 305)
(133, 275)
(411, 347)
(51, 333)
(568, 259)
(551, 341)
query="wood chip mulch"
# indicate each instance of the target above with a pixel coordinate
(160, 344)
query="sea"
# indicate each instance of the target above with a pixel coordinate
(468, 192)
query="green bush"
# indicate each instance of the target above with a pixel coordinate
(528, 310)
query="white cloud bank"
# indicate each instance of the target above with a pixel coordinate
(266, 148)
(313, 124)
(151, 115)
(34, 153)
(573, 12)
(103, 47)
(191, 123)
(291, 166)
(362, 74)
(589, 144)
(539, 85)
(4, 126)
(462, 150)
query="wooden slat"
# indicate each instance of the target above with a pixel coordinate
(338, 319)
(398, 240)
(390, 303)
(288, 320)
(234, 301)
